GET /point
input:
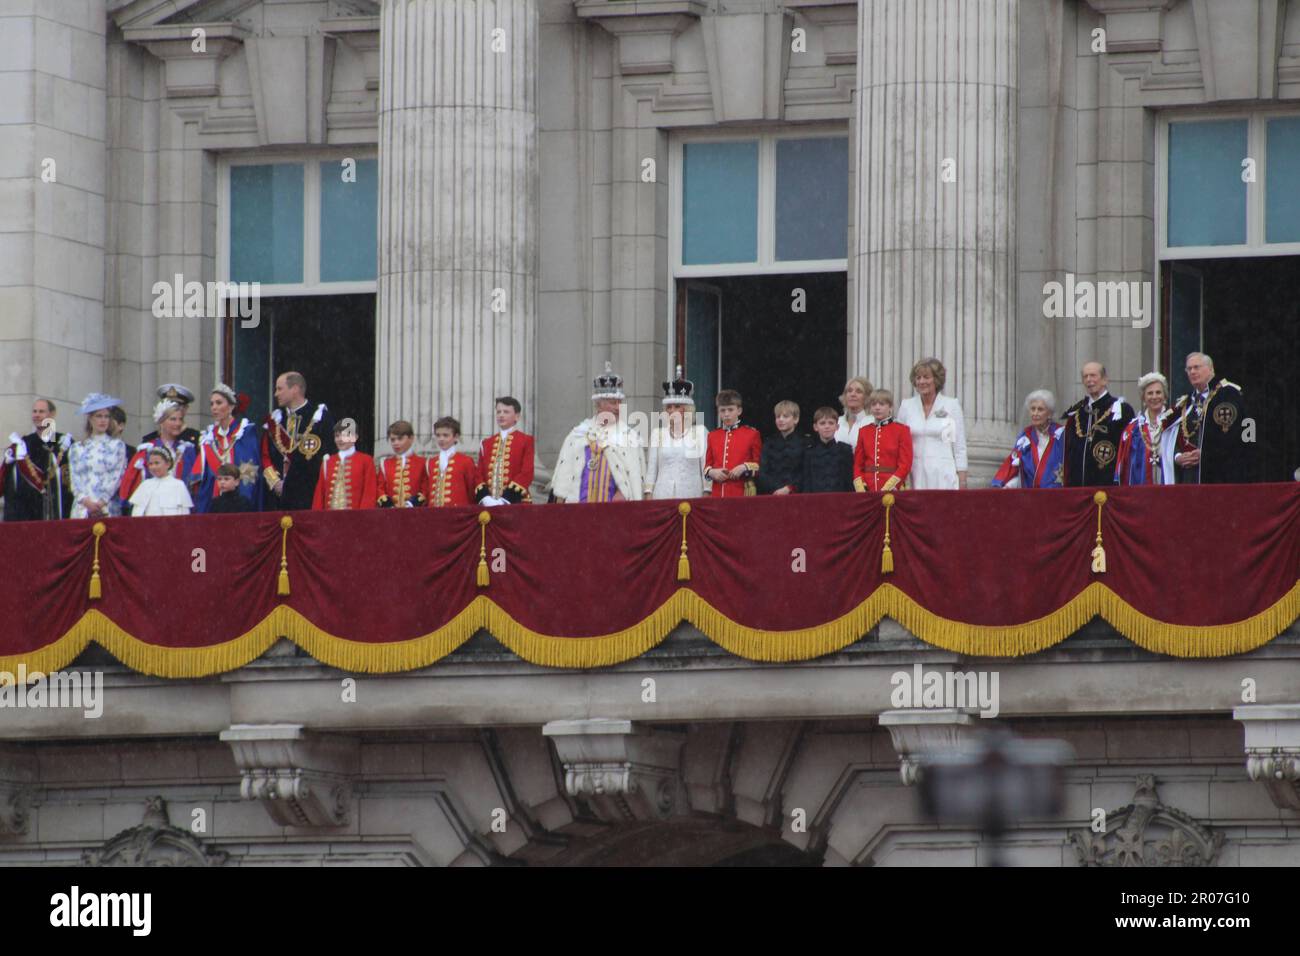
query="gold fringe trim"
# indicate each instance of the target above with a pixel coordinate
(684, 605)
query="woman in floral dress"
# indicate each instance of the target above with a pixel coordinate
(97, 462)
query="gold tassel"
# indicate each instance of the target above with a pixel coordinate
(282, 589)
(1099, 553)
(683, 562)
(887, 556)
(483, 576)
(96, 589)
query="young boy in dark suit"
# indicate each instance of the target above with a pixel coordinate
(827, 463)
(228, 500)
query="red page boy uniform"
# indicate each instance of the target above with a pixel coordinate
(505, 467)
(401, 481)
(730, 447)
(883, 457)
(452, 479)
(347, 479)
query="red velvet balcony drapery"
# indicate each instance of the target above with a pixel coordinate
(1190, 571)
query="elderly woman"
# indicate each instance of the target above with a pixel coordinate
(97, 461)
(1038, 458)
(676, 454)
(854, 402)
(938, 430)
(1147, 444)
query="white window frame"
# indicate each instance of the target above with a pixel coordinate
(311, 283)
(1256, 148)
(767, 263)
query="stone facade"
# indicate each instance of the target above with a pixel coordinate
(486, 759)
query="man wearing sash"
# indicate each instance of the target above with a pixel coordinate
(1211, 445)
(1093, 428)
(34, 475)
(295, 439)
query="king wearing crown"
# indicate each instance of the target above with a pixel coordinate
(601, 459)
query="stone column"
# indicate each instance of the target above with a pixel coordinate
(935, 215)
(53, 174)
(457, 211)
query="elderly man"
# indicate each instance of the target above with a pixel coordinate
(34, 475)
(1211, 445)
(1093, 428)
(601, 459)
(296, 437)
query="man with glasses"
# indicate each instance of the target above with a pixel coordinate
(1212, 444)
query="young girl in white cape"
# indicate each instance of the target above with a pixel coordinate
(161, 494)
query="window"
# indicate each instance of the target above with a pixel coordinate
(760, 203)
(1230, 186)
(300, 226)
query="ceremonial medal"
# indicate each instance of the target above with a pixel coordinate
(309, 445)
(1103, 453)
(1225, 415)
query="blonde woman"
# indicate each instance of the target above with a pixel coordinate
(854, 402)
(97, 461)
(938, 429)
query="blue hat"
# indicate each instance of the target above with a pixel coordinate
(96, 401)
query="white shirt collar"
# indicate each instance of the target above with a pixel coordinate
(445, 455)
(1092, 401)
(506, 431)
(346, 453)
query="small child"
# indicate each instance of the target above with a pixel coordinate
(827, 463)
(781, 466)
(734, 451)
(451, 474)
(347, 480)
(401, 478)
(228, 500)
(883, 457)
(161, 493)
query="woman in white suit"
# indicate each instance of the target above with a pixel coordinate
(938, 429)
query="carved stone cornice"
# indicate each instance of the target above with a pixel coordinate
(1147, 833)
(155, 842)
(187, 71)
(839, 23)
(645, 29)
(301, 780)
(920, 734)
(1132, 26)
(1273, 750)
(622, 772)
(361, 35)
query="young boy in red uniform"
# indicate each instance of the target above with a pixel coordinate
(401, 478)
(505, 462)
(884, 454)
(731, 461)
(347, 479)
(451, 476)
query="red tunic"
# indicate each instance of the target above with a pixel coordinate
(456, 485)
(348, 488)
(401, 478)
(729, 448)
(883, 458)
(505, 468)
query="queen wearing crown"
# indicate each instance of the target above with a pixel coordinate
(676, 454)
(601, 458)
